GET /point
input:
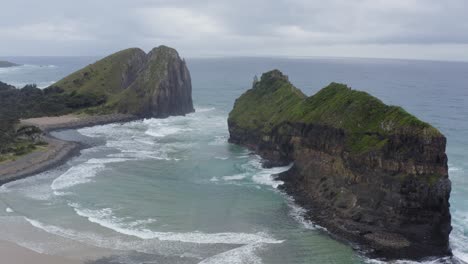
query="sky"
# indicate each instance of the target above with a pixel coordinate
(413, 29)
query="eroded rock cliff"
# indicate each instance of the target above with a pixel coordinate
(162, 88)
(368, 172)
(130, 81)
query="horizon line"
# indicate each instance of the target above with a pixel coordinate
(253, 57)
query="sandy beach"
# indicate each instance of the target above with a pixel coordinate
(11, 253)
(57, 151)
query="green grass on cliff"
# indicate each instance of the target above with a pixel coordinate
(270, 102)
(105, 78)
(101, 77)
(365, 119)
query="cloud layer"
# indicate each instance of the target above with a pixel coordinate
(430, 29)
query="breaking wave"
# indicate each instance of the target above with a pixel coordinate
(106, 218)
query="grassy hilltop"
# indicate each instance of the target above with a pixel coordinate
(129, 82)
(367, 120)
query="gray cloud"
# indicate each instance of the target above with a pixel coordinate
(430, 29)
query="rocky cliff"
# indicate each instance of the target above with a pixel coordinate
(130, 81)
(368, 172)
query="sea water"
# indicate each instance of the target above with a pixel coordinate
(175, 191)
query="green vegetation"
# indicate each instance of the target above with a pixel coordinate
(104, 77)
(31, 101)
(267, 104)
(18, 140)
(124, 81)
(366, 120)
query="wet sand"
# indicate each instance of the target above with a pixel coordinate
(57, 151)
(11, 253)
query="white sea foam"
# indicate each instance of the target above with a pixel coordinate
(219, 141)
(299, 214)
(452, 169)
(82, 173)
(236, 177)
(241, 255)
(458, 236)
(403, 261)
(85, 237)
(106, 160)
(77, 175)
(106, 218)
(163, 131)
(204, 109)
(266, 175)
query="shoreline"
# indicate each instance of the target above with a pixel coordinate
(13, 253)
(58, 151)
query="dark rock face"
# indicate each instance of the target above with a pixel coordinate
(393, 201)
(174, 94)
(132, 82)
(162, 87)
(132, 66)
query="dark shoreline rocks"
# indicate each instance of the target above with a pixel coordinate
(369, 173)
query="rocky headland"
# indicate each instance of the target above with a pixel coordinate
(156, 84)
(370, 173)
(124, 86)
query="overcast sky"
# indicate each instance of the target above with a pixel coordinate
(424, 29)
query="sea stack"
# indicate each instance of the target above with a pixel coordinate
(368, 172)
(132, 82)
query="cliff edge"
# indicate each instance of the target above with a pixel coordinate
(370, 173)
(156, 84)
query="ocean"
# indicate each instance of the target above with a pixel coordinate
(175, 191)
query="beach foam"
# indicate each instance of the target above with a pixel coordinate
(236, 177)
(106, 218)
(79, 174)
(299, 214)
(265, 176)
(241, 255)
(82, 173)
(204, 109)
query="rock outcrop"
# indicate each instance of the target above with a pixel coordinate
(130, 81)
(162, 87)
(368, 172)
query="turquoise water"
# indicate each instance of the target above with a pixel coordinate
(174, 191)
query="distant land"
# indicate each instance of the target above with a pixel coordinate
(6, 64)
